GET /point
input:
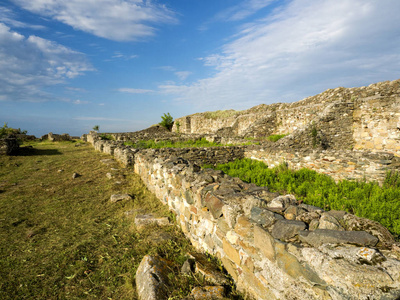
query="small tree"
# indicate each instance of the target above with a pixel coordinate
(167, 121)
(96, 128)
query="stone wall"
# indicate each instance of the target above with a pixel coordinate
(272, 246)
(339, 164)
(361, 118)
(377, 124)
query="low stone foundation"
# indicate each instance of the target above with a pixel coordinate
(272, 246)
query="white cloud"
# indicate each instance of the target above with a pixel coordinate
(28, 65)
(119, 20)
(119, 55)
(301, 49)
(182, 75)
(134, 91)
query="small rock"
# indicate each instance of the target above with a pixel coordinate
(188, 266)
(109, 175)
(370, 256)
(208, 270)
(119, 197)
(327, 221)
(152, 278)
(75, 175)
(60, 171)
(293, 211)
(280, 203)
(142, 221)
(208, 292)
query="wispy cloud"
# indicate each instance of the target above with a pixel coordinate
(237, 12)
(78, 102)
(119, 20)
(7, 16)
(29, 64)
(119, 55)
(75, 89)
(134, 91)
(300, 49)
(182, 75)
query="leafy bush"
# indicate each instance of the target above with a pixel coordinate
(367, 200)
(5, 131)
(107, 137)
(167, 121)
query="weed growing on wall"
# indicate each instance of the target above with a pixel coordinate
(367, 200)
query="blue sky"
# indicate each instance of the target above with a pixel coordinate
(69, 65)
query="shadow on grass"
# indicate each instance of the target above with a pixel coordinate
(29, 151)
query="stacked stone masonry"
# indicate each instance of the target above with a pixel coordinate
(364, 118)
(272, 246)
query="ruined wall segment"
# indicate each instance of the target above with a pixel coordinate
(362, 118)
(273, 246)
(377, 124)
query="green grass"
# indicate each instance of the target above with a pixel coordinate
(61, 238)
(145, 144)
(368, 200)
(221, 114)
(276, 137)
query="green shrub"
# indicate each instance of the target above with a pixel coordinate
(5, 131)
(107, 137)
(367, 200)
(167, 121)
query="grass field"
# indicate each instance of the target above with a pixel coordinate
(61, 238)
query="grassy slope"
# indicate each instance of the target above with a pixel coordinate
(61, 238)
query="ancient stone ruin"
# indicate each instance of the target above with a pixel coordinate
(274, 246)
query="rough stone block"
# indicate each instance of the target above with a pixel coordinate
(265, 242)
(230, 267)
(231, 252)
(214, 204)
(319, 237)
(142, 221)
(119, 197)
(287, 229)
(152, 278)
(290, 265)
(243, 226)
(264, 217)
